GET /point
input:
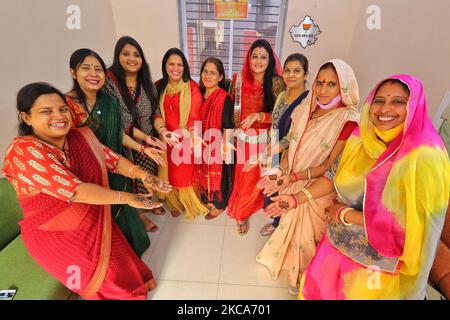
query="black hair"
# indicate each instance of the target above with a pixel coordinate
(300, 58)
(76, 59)
(219, 65)
(393, 81)
(27, 96)
(165, 79)
(144, 76)
(269, 98)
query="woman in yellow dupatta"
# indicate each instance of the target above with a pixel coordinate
(180, 105)
(318, 130)
(393, 183)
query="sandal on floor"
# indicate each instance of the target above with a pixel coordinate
(158, 211)
(293, 290)
(149, 225)
(242, 227)
(175, 213)
(213, 213)
(267, 230)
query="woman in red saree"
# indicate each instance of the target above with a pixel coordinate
(255, 90)
(60, 176)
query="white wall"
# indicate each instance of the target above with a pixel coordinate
(37, 47)
(153, 23)
(414, 38)
(336, 20)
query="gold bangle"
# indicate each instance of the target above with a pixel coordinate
(263, 117)
(342, 216)
(308, 194)
(131, 169)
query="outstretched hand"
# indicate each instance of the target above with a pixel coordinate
(143, 201)
(152, 182)
(280, 205)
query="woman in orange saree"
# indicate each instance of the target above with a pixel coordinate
(255, 90)
(60, 176)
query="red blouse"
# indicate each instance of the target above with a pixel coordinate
(172, 108)
(33, 166)
(347, 130)
(79, 116)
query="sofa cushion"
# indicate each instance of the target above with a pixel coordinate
(10, 213)
(18, 270)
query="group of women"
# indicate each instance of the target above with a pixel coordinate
(352, 193)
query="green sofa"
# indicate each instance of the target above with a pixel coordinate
(17, 269)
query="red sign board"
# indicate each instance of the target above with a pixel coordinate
(231, 9)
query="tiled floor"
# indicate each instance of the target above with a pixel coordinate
(208, 260)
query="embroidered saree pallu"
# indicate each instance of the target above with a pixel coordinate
(78, 244)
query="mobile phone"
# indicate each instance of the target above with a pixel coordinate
(7, 294)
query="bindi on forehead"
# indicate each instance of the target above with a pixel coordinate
(90, 65)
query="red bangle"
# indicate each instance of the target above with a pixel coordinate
(295, 176)
(338, 212)
(296, 201)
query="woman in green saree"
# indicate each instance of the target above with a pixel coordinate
(93, 107)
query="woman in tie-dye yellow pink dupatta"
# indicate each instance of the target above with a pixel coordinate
(397, 181)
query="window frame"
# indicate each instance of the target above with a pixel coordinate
(183, 28)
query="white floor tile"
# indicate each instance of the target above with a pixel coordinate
(154, 238)
(238, 261)
(237, 292)
(219, 221)
(158, 219)
(257, 220)
(181, 290)
(188, 252)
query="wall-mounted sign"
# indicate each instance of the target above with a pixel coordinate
(231, 9)
(306, 32)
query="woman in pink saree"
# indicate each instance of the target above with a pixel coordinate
(393, 184)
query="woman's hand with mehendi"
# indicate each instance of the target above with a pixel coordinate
(155, 142)
(269, 177)
(277, 185)
(152, 182)
(143, 201)
(155, 155)
(250, 120)
(171, 138)
(280, 205)
(331, 213)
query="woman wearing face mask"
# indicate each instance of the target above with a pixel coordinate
(320, 125)
(255, 90)
(294, 75)
(129, 80)
(393, 184)
(180, 102)
(215, 174)
(93, 107)
(60, 175)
